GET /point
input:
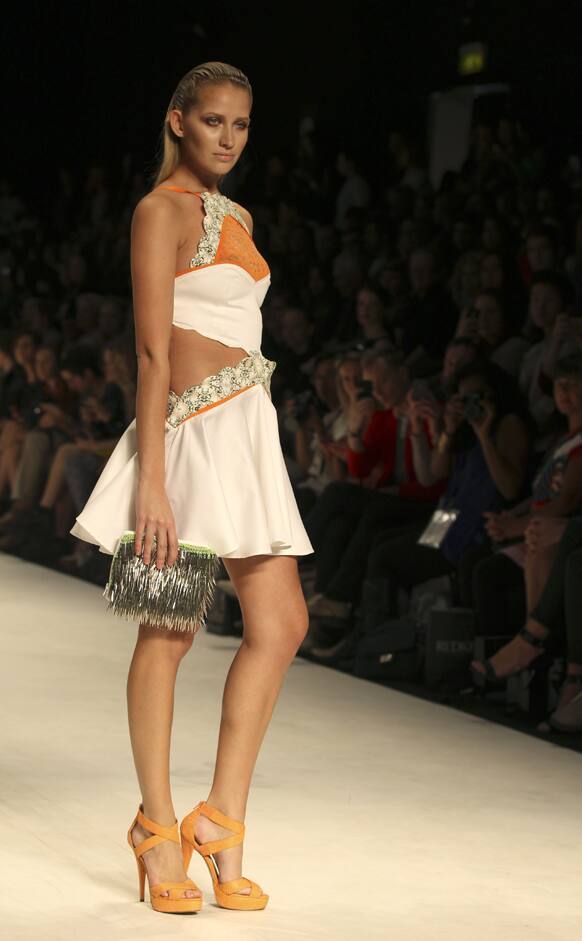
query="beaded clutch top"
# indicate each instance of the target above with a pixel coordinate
(175, 597)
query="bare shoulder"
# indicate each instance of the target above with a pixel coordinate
(246, 215)
(156, 210)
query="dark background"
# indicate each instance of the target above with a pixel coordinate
(91, 81)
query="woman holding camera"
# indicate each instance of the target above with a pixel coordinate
(482, 448)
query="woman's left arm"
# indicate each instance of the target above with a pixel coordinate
(569, 498)
(506, 452)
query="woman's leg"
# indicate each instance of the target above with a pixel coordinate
(382, 512)
(330, 524)
(405, 563)
(546, 619)
(275, 621)
(150, 705)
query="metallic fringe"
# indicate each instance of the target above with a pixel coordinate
(175, 597)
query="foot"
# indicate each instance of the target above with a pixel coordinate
(163, 862)
(568, 692)
(516, 655)
(229, 861)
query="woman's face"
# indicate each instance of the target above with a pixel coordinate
(217, 124)
(24, 349)
(368, 309)
(545, 304)
(45, 363)
(349, 373)
(568, 394)
(489, 319)
(456, 357)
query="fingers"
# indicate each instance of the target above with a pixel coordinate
(158, 540)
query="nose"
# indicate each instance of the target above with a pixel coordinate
(226, 138)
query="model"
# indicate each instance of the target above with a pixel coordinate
(198, 476)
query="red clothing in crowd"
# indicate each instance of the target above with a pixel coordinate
(379, 456)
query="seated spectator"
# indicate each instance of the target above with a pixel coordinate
(549, 296)
(344, 522)
(19, 377)
(485, 321)
(45, 407)
(483, 450)
(318, 422)
(540, 252)
(354, 191)
(459, 353)
(428, 319)
(296, 355)
(96, 429)
(556, 493)
(372, 318)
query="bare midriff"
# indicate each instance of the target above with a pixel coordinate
(194, 356)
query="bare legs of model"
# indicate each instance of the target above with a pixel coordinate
(275, 621)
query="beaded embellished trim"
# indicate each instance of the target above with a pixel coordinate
(253, 369)
(216, 207)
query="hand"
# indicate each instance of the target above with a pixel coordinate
(454, 414)
(544, 532)
(154, 517)
(414, 412)
(51, 409)
(499, 526)
(359, 413)
(46, 420)
(482, 426)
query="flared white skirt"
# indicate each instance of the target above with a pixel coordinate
(226, 478)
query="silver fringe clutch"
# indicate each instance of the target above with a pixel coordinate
(175, 597)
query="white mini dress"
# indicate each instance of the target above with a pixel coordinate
(226, 477)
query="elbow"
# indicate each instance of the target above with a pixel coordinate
(148, 358)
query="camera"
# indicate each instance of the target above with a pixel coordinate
(365, 387)
(473, 409)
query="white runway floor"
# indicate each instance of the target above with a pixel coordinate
(373, 814)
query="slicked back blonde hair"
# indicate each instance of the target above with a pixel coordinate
(184, 98)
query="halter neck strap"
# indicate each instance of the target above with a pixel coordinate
(180, 189)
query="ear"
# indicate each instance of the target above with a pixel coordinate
(175, 122)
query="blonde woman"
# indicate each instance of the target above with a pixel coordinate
(198, 475)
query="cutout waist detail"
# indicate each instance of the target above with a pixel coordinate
(252, 370)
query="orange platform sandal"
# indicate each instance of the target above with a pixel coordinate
(227, 894)
(174, 902)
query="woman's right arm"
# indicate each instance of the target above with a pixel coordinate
(154, 242)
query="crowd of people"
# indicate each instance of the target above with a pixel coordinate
(428, 343)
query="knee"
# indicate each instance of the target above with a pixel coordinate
(171, 645)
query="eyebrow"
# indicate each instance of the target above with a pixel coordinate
(218, 115)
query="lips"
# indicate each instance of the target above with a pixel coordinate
(224, 156)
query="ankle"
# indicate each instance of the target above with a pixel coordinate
(536, 628)
(162, 813)
(227, 806)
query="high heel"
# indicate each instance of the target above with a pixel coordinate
(487, 679)
(174, 902)
(227, 894)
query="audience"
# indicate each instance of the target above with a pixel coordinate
(428, 343)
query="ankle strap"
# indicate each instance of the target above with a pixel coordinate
(160, 833)
(532, 638)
